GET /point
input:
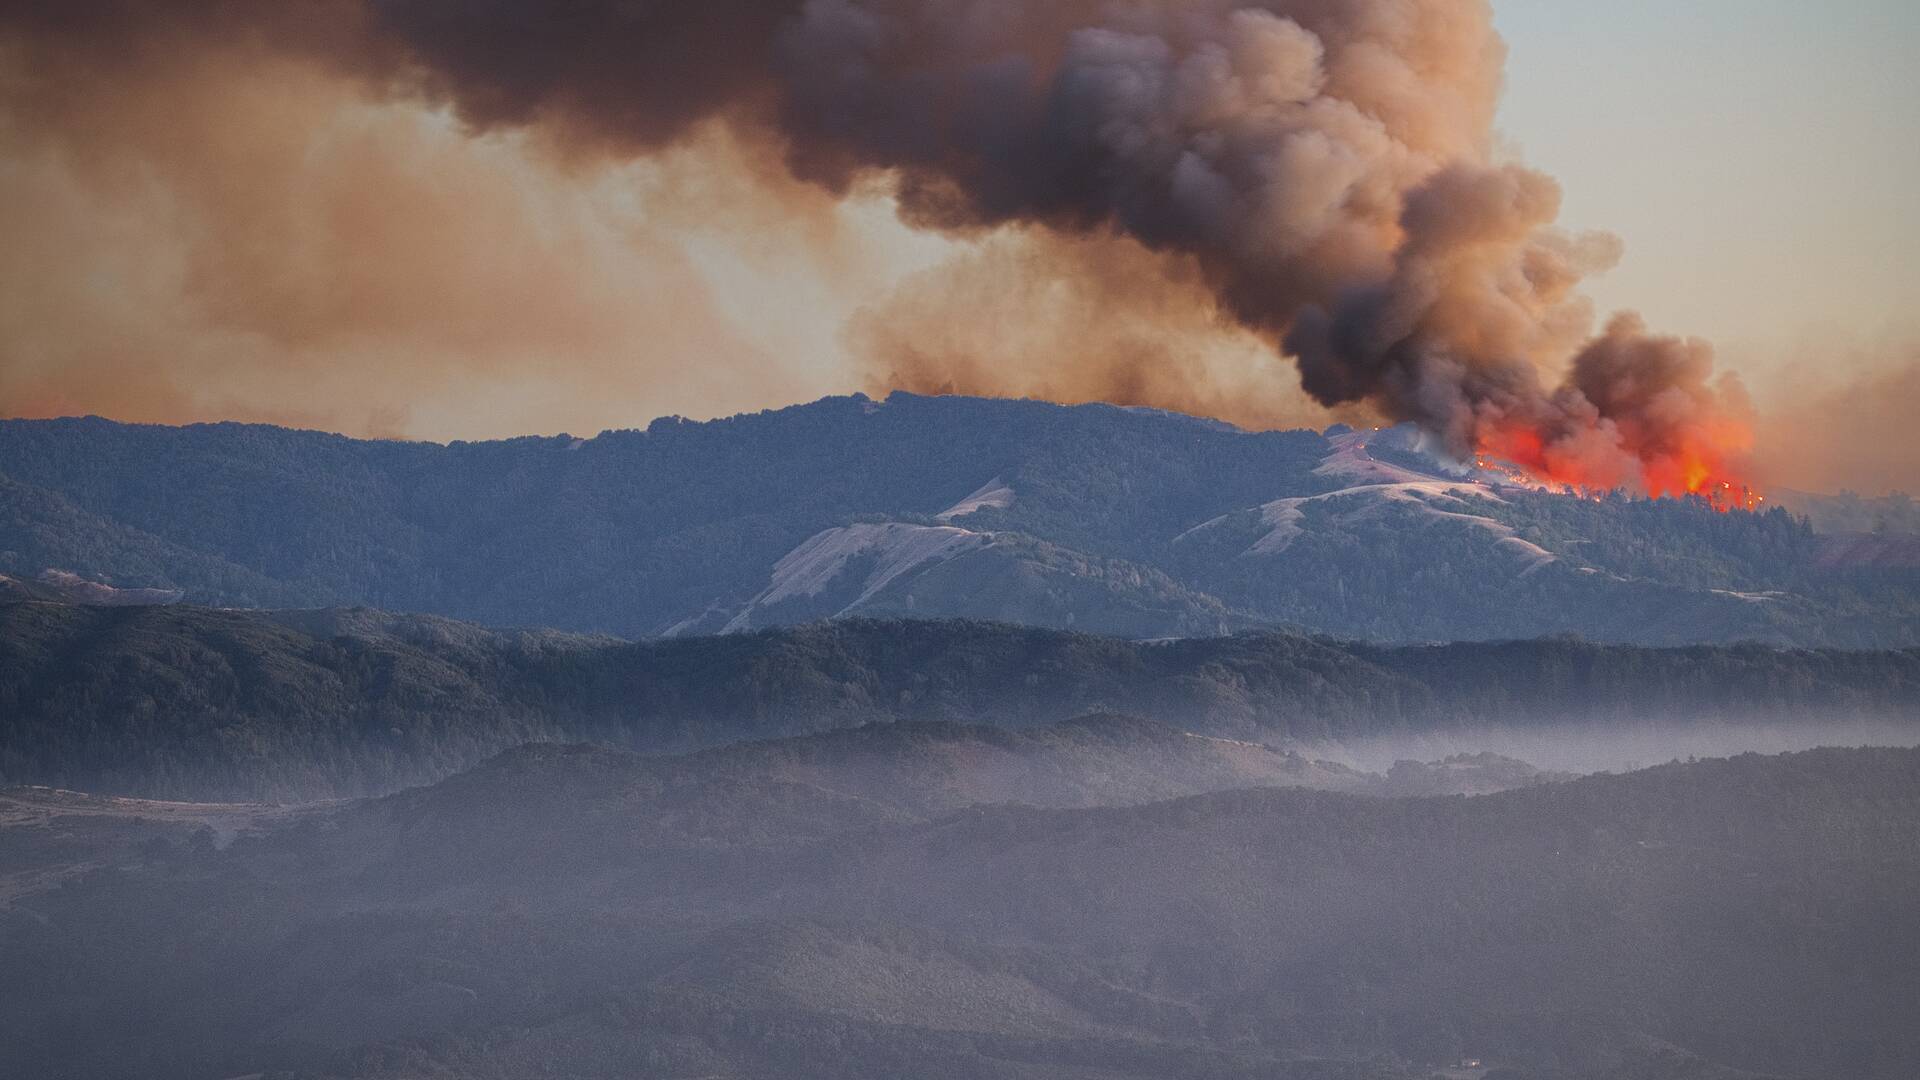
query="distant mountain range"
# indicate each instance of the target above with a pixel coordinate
(187, 703)
(834, 908)
(1116, 521)
(1850, 513)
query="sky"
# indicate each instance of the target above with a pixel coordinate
(202, 229)
(1758, 157)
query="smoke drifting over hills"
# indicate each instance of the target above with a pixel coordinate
(1825, 434)
(1311, 177)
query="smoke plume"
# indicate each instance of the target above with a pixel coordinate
(1097, 319)
(249, 211)
(1320, 171)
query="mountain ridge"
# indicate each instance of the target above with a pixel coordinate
(1126, 522)
(546, 914)
(184, 702)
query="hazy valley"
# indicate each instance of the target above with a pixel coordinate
(834, 907)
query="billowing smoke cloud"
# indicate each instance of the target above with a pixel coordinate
(1322, 166)
(1093, 319)
(248, 211)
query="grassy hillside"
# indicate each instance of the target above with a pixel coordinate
(631, 531)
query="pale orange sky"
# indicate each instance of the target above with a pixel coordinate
(1757, 156)
(188, 247)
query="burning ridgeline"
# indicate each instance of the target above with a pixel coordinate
(1325, 167)
(1725, 496)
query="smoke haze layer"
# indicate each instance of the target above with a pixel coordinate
(1326, 164)
(238, 219)
(1313, 178)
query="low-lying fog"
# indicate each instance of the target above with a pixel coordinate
(1620, 747)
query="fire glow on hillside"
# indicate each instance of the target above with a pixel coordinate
(1723, 495)
(1706, 468)
(1636, 412)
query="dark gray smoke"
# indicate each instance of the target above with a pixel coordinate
(1326, 164)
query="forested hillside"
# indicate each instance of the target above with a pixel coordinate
(629, 532)
(181, 702)
(1115, 521)
(571, 912)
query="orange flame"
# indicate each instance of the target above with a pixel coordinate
(1705, 462)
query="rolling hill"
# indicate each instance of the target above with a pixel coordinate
(183, 702)
(1115, 521)
(575, 912)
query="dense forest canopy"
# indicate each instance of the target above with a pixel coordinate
(1117, 521)
(182, 702)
